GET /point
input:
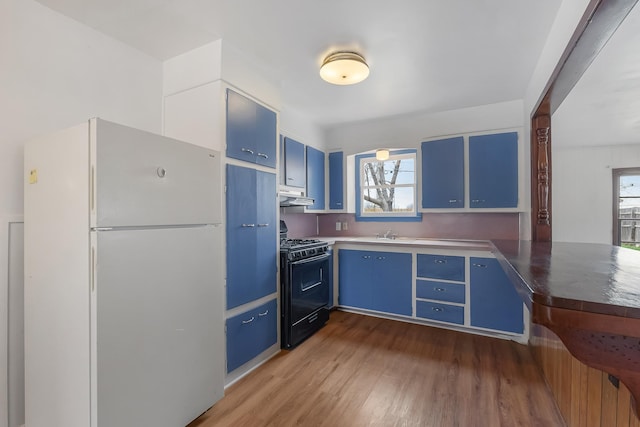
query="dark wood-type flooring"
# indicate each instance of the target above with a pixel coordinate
(365, 371)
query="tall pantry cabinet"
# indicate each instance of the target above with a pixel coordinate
(246, 131)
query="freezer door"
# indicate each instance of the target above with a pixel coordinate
(143, 179)
(157, 326)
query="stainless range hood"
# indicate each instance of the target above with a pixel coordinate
(294, 198)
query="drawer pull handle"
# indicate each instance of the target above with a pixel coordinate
(440, 261)
(244, 322)
(263, 314)
(453, 200)
(246, 150)
(480, 265)
(381, 257)
(248, 225)
(263, 155)
(366, 256)
(438, 309)
(477, 201)
(266, 224)
(439, 289)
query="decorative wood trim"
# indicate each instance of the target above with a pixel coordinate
(541, 178)
(598, 340)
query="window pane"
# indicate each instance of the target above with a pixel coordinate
(389, 172)
(630, 186)
(397, 200)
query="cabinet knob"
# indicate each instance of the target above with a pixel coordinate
(381, 257)
(439, 289)
(248, 225)
(162, 172)
(263, 155)
(480, 265)
(246, 150)
(440, 261)
(438, 309)
(244, 322)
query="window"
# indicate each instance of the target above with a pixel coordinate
(626, 207)
(386, 190)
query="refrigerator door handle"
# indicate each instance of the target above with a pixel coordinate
(93, 269)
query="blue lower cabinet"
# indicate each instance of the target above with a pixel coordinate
(375, 280)
(495, 304)
(441, 267)
(442, 312)
(251, 333)
(441, 291)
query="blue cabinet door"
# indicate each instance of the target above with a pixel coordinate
(251, 235)
(443, 173)
(294, 163)
(493, 170)
(251, 131)
(251, 333)
(315, 178)
(266, 136)
(391, 282)
(336, 179)
(495, 304)
(355, 278)
(266, 251)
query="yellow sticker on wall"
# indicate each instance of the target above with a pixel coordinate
(33, 176)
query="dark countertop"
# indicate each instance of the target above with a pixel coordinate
(593, 278)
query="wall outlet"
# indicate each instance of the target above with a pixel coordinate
(345, 226)
(338, 226)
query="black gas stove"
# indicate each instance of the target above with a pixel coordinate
(295, 249)
(305, 274)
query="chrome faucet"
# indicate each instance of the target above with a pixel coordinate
(388, 234)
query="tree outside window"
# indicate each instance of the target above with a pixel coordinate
(388, 188)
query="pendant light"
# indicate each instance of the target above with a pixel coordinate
(382, 154)
(344, 68)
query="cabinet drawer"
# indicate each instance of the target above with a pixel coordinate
(250, 333)
(441, 312)
(441, 267)
(441, 291)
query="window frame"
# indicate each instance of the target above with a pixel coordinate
(415, 216)
(617, 173)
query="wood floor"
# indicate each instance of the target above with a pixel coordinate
(365, 371)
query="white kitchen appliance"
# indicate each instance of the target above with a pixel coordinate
(123, 283)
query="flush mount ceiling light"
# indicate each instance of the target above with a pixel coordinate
(382, 154)
(344, 68)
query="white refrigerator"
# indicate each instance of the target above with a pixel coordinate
(123, 280)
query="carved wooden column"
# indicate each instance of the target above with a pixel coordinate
(541, 179)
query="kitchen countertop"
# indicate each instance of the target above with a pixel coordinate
(476, 245)
(587, 277)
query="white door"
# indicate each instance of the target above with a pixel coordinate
(157, 326)
(145, 179)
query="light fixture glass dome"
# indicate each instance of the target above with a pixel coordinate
(344, 68)
(382, 154)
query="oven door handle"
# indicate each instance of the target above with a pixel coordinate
(307, 260)
(318, 283)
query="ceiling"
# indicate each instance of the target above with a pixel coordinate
(604, 106)
(424, 55)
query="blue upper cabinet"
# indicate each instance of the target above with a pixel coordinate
(251, 131)
(493, 170)
(443, 173)
(294, 163)
(315, 178)
(336, 180)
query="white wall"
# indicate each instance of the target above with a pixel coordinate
(563, 27)
(55, 73)
(583, 196)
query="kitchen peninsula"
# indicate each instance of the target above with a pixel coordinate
(588, 295)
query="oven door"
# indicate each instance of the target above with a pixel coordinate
(309, 286)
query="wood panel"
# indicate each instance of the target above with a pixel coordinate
(585, 395)
(366, 371)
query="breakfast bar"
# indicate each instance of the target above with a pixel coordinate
(588, 295)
